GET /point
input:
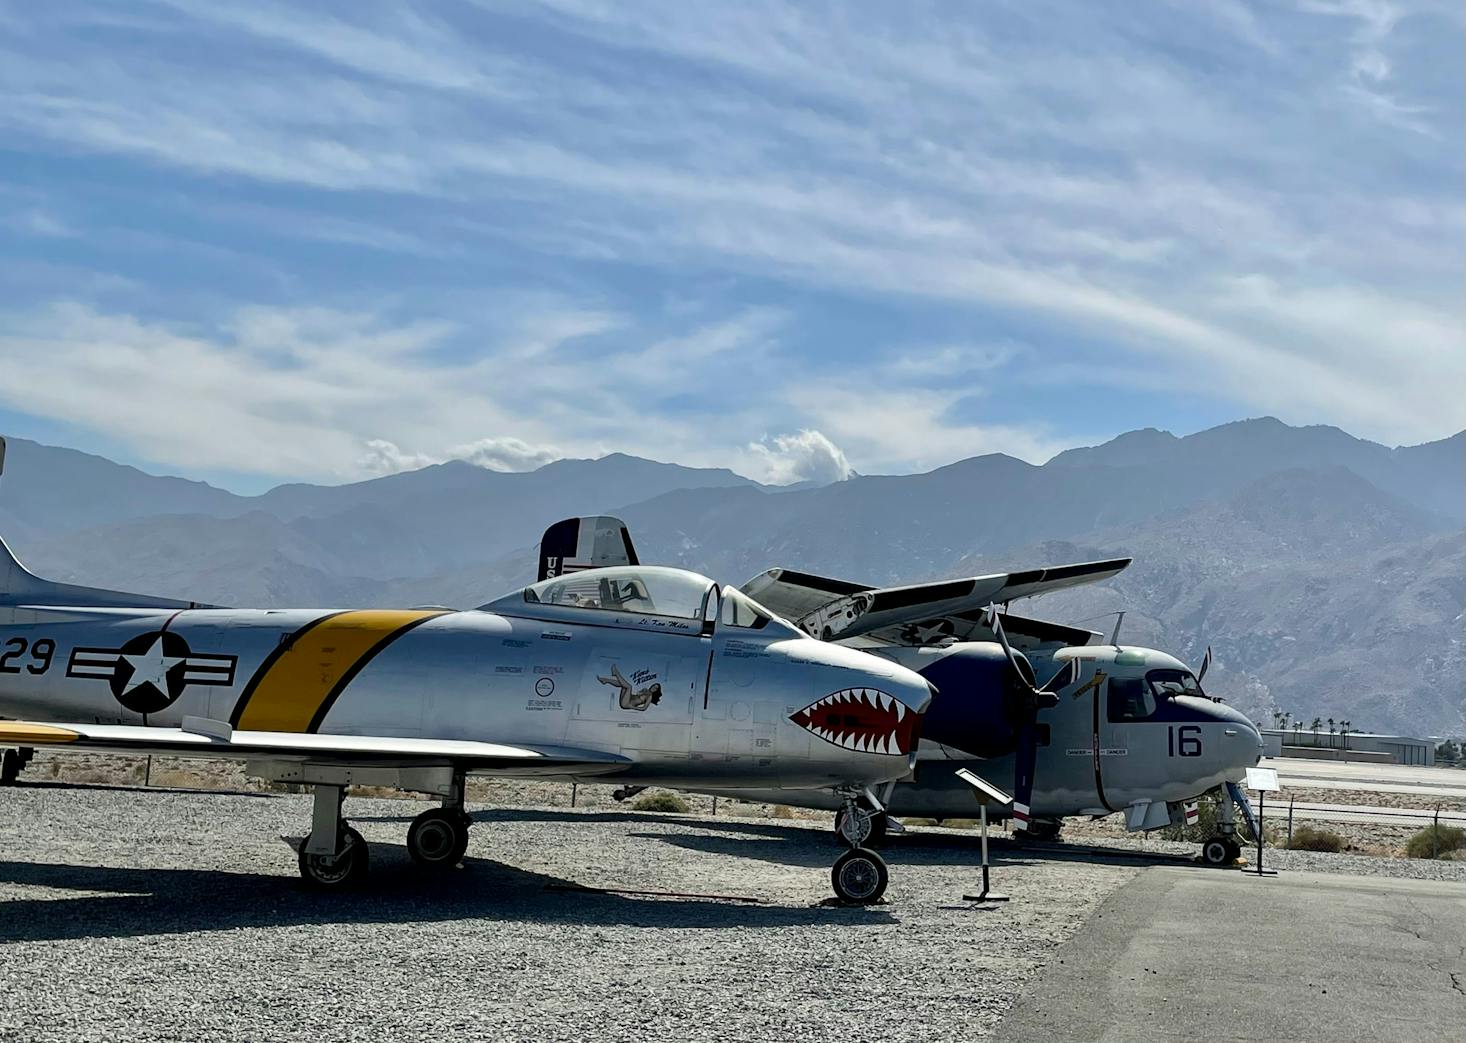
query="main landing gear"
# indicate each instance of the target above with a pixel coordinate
(12, 762)
(1223, 848)
(335, 855)
(859, 876)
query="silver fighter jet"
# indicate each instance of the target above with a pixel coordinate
(637, 674)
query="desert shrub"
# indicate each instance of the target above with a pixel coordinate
(1435, 841)
(661, 801)
(1307, 838)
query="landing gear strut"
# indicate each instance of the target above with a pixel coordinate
(438, 838)
(12, 762)
(859, 876)
(334, 856)
(860, 827)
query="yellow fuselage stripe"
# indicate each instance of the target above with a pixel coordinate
(292, 689)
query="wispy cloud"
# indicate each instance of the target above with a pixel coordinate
(859, 212)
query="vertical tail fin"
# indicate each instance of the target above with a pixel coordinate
(576, 544)
(20, 586)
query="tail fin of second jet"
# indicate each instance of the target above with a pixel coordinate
(576, 544)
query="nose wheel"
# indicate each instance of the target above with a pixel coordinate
(1220, 851)
(859, 877)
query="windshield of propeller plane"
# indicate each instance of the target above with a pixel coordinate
(1167, 684)
(643, 589)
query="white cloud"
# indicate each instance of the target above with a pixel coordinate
(505, 454)
(1131, 187)
(805, 456)
(383, 457)
(893, 430)
(492, 454)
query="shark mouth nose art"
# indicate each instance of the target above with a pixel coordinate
(864, 720)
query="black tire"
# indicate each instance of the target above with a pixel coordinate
(1045, 829)
(1234, 849)
(336, 872)
(9, 767)
(875, 833)
(437, 839)
(1217, 851)
(859, 877)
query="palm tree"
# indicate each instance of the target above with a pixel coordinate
(1331, 731)
(1317, 724)
(1344, 728)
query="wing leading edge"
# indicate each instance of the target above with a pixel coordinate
(215, 740)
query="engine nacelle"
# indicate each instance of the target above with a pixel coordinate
(979, 700)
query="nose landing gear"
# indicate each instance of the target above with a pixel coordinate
(859, 876)
(1223, 848)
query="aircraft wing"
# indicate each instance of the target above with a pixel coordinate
(215, 740)
(835, 609)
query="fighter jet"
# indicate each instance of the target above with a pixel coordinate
(639, 674)
(1109, 728)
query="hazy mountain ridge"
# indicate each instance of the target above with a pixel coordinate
(1352, 613)
(1303, 555)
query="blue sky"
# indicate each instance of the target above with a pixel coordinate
(263, 242)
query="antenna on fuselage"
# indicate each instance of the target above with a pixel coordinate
(1115, 637)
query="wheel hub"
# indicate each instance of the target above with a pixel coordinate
(858, 878)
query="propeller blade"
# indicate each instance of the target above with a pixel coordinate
(1026, 755)
(1205, 665)
(997, 627)
(1063, 677)
(1025, 761)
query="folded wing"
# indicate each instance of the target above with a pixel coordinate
(835, 609)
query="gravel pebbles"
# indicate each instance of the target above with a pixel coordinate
(154, 915)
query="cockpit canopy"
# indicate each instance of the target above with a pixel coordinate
(1136, 698)
(638, 590)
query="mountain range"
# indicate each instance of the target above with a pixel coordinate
(1327, 572)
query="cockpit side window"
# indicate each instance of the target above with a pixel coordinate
(1129, 699)
(1167, 684)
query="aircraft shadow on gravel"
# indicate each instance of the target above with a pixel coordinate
(807, 847)
(141, 902)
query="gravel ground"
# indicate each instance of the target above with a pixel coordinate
(133, 915)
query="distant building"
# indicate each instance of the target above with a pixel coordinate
(1365, 746)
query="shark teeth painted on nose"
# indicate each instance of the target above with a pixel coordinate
(863, 720)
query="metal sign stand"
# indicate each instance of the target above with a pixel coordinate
(1264, 781)
(986, 792)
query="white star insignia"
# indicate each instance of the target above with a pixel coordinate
(151, 667)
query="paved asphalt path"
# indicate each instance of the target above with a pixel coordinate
(1182, 954)
(1383, 778)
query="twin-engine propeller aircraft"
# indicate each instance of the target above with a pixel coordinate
(1109, 728)
(644, 675)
